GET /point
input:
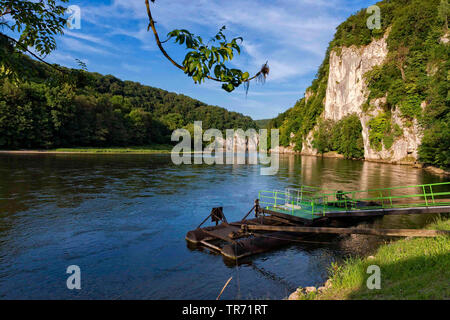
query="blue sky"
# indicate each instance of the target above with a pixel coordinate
(291, 34)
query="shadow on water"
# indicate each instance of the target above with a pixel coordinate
(123, 220)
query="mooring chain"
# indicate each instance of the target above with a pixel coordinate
(237, 272)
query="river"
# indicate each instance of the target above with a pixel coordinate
(123, 218)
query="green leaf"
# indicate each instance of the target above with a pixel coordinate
(228, 87)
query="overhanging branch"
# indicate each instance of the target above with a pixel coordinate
(261, 74)
(25, 48)
(158, 42)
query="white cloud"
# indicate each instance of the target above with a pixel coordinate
(62, 58)
(72, 44)
(130, 67)
(292, 35)
(283, 63)
(90, 38)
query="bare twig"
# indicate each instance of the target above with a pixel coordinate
(158, 42)
(224, 287)
(8, 11)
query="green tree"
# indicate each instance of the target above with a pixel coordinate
(173, 121)
(343, 136)
(141, 122)
(443, 12)
(347, 137)
(323, 135)
(435, 147)
(37, 23)
(415, 71)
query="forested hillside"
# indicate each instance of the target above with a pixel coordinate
(411, 86)
(262, 123)
(75, 108)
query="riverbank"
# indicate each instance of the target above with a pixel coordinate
(411, 268)
(148, 149)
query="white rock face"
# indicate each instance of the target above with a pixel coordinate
(283, 150)
(347, 92)
(307, 147)
(404, 149)
(289, 149)
(239, 142)
(346, 89)
(445, 38)
(308, 94)
(365, 117)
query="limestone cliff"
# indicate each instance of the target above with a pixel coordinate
(347, 92)
(380, 93)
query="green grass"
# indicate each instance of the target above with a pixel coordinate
(412, 268)
(148, 149)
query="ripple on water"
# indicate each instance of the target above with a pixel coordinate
(123, 219)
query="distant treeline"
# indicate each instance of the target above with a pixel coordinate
(262, 124)
(78, 108)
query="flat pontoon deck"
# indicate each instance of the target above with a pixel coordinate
(311, 203)
(310, 206)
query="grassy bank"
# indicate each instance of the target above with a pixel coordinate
(415, 268)
(147, 149)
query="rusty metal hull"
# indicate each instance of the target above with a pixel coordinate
(236, 240)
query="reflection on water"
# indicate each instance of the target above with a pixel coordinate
(123, 218)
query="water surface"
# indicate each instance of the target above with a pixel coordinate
(123, 218)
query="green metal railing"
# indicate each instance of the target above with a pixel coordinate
(311, 202)
(300, 202)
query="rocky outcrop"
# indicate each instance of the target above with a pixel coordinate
(347, 89)
(347, 92)
(404, 149)
(238, 143)
(445, 39)
(308, 95)
(289, 149)
(307, 148)
(284, 150)
(302, 292)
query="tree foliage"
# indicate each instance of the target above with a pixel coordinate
(202, 58)
(207, 60)
(98, 111)
(414, 78)
(37, 23)
(444, 12)
(435, 148)
(343, 136)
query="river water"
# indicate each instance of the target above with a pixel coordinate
(123, 218)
